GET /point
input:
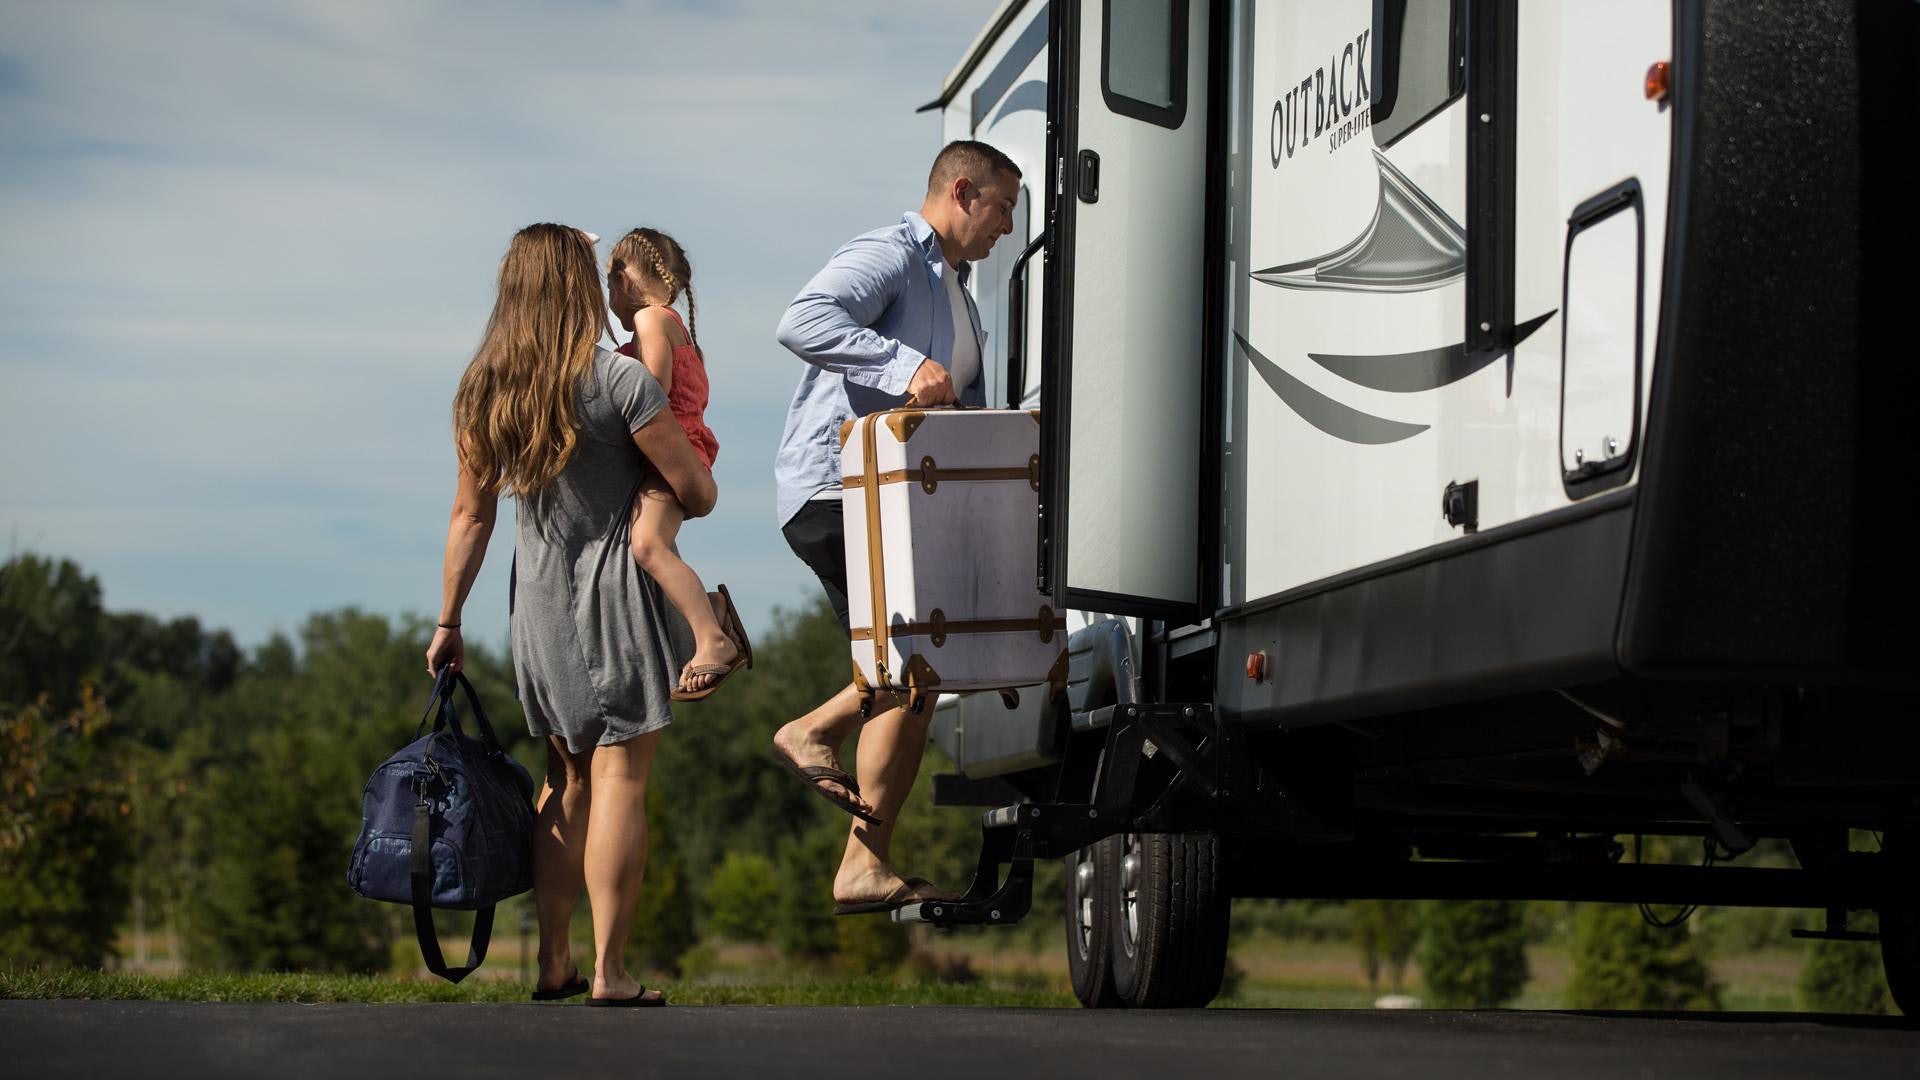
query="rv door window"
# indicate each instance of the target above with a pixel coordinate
(1143, 59)
(1419, 64)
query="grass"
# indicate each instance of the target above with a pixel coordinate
(33, 983)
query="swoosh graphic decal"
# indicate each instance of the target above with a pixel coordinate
(1406, 373)
(1340, 421)
(1427, 369)
(1410, 245)
(1029, 95)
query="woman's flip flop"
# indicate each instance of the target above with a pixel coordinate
(637, 1001)
(573, 987)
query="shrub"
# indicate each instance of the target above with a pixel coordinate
(803, 915)
(63, 836)
(741, 897)
(1621, 962)
(1387, 932)
(1473, 953)
(1844, 976)
(870, 944)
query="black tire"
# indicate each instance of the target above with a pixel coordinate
(1900, 936)
(1090, 893)
(1170, 917)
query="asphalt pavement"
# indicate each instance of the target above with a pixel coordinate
(404, 1042)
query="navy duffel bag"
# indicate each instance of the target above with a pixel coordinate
(446, 823)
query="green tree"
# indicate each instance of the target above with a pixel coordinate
(663, 918)
(63, 834)
(274, 810)
(870, 944)
(271, 893)
(803, 920)
(1844, 976)
(713, 765)
(1621, 962)
(50, 640)
(1473, 952)
(741, 897)
(1387, 932)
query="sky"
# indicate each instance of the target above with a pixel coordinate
(247, 248)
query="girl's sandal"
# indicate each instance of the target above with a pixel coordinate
(730, 620)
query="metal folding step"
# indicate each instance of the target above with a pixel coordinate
(1014, 836)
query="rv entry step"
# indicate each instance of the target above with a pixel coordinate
(1013, 836)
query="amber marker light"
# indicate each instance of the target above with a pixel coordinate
(1659, 78)
(1257, 666)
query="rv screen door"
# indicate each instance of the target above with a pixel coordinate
(1123, 389)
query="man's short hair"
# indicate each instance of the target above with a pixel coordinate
(976, 161)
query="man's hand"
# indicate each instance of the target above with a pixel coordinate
(931, 385)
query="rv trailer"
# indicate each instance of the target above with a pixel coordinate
(1471, 434)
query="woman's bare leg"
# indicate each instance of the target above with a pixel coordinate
(559, 843)
(616, 856)
(656, 522)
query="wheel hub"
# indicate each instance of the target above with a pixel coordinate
(1129, 892)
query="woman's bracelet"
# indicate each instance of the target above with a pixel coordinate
(448, 625)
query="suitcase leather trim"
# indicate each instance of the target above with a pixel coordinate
(939, 629)
(932, 478)
(876, 555)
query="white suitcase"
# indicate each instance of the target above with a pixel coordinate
(941, 508)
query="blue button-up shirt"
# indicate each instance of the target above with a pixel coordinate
(864, 324)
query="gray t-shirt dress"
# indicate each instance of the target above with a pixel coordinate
(596, 646)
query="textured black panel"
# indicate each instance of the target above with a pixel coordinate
(1770, 485)
(1524, 607)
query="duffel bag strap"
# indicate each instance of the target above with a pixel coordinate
(443, 696)
(423, 906)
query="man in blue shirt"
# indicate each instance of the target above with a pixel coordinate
(887, 322)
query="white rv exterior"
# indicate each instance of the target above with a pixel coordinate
(1351, 407)
(1467, 415)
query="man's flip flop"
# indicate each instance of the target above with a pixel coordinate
(573, 988)
(810, 773)
(900, 897)
(729, 617)
(637, 1001)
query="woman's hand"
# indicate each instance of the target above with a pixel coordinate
(447, 650)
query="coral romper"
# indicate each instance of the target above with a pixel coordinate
(688, 398)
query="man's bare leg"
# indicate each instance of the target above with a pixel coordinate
(889, 760)
(816, 738)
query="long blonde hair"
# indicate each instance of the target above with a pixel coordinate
(514, 418)
(653, 251)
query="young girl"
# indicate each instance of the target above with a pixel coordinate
(647, 273)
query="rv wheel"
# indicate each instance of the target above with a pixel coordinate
(1900, 938)
(1090, 923)
(1170, 919)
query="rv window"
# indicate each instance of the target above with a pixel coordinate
(1143, 61)
(1419, 63)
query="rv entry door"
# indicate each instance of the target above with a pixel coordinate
(1122, 384)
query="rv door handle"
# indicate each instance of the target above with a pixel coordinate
(1017, 323)
(1087, 179)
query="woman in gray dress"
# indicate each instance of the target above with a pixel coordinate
(571, 430)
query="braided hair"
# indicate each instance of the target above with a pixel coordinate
(663, 256)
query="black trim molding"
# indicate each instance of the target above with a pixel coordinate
(1492, 39)
(1166, 116)
(1599, 475)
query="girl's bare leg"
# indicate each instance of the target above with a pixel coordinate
(657, 519)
